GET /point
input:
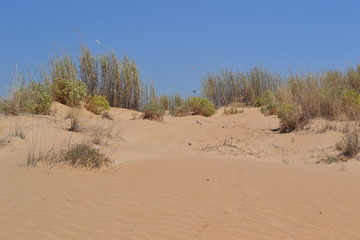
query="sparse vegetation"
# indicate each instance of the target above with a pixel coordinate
(104, 132)
(16, 130)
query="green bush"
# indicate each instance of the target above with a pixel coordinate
(69, 91)
(38, 99)
(265, 98)
(97, 104)
(153, 111)
(201, 106)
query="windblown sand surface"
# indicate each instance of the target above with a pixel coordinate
(224, 177)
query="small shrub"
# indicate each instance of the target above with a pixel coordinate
(97, 104)
(265, 98)
(201, 106)
(74, 116)
(69, 91)
(350, 144)
(290, 117)
(85, 155)
(270, 109)
(232, 111)
(153, 111)
(38, 99)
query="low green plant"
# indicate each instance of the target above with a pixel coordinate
(97, 104)
(201, 106)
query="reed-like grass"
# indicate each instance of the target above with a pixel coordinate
(330, 94)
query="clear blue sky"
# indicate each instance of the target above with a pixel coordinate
(175, 43)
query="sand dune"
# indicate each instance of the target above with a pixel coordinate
(224, 177)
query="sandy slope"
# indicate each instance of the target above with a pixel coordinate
(224, 177)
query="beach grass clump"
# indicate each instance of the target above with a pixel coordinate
(153, 111)
(97, 104)
(239, 86)
(89, 71)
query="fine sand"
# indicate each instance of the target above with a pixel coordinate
(223, 177)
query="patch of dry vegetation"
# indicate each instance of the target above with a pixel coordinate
(79, 155)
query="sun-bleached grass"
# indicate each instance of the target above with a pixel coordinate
(105, 131)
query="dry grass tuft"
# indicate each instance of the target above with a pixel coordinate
(232, 110)
(104, 132)
(350, 144)
(74, 115)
